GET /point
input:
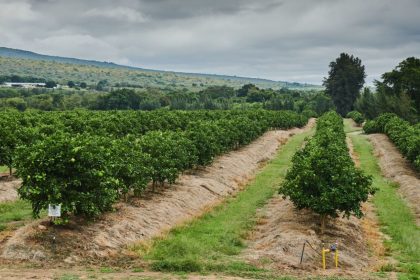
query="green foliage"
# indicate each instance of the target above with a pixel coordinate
(404, 135)
(378, 125)
(373, 104)
(170, 153)
(86, 160)
(71, 84)
(119, 100)
(74, 171)
(356, 116)
(398, 93)
(20, 79)
(131, 165)
(405, 78)
(11, 136)
(205, 136)
(345, 79)
(323, 177)
(50, 84)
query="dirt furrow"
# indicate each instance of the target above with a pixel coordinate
(396, 168)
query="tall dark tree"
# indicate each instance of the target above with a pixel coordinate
(345, 79)
(405, 79)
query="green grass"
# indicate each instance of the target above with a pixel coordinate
(68, 277)
(395, 217)
(211, 242)
(14, 211)
(4, 169)
(348, 126)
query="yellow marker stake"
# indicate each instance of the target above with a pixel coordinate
(324, 260)
(336, 257)
(323, 257)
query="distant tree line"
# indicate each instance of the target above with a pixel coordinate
(398, 92)
(20, 79)
(249, 96)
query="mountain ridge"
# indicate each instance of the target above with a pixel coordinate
(13, 53)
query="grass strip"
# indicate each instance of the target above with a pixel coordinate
(210, 242)
(13, 211)
(395, 217)
(4, 169)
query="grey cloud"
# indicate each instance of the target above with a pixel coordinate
(281, 40)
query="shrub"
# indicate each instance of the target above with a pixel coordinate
(356, 116)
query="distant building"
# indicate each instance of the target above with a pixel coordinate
(24, 85)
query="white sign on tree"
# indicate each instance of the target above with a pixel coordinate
(54, 210)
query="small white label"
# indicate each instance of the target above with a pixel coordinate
(54, 210)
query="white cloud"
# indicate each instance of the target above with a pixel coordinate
(16, 12)
(282, 40)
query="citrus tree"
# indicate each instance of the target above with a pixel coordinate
(74, 171)
(323, 177)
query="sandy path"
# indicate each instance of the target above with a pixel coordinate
(398, 169)
(8, 189)
(277, 241)
(53, 274)
(145, 218)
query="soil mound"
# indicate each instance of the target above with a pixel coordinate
(278, 240)
(8, 188)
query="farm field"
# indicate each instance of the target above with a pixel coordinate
(234, 227)
(206, 140)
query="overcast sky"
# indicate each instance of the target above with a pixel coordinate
(292, 40)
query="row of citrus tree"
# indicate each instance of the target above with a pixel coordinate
(404, 135)
(25, 128)
(323, 177)
(86, 171)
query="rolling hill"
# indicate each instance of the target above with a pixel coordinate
(64, 69)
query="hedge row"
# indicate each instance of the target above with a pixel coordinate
(404, 135)
(26, 128)
(86, 173)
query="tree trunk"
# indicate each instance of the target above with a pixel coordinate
(323, 222)
(10, 171)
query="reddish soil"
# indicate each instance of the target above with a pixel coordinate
(396, 168)
(141, 219)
